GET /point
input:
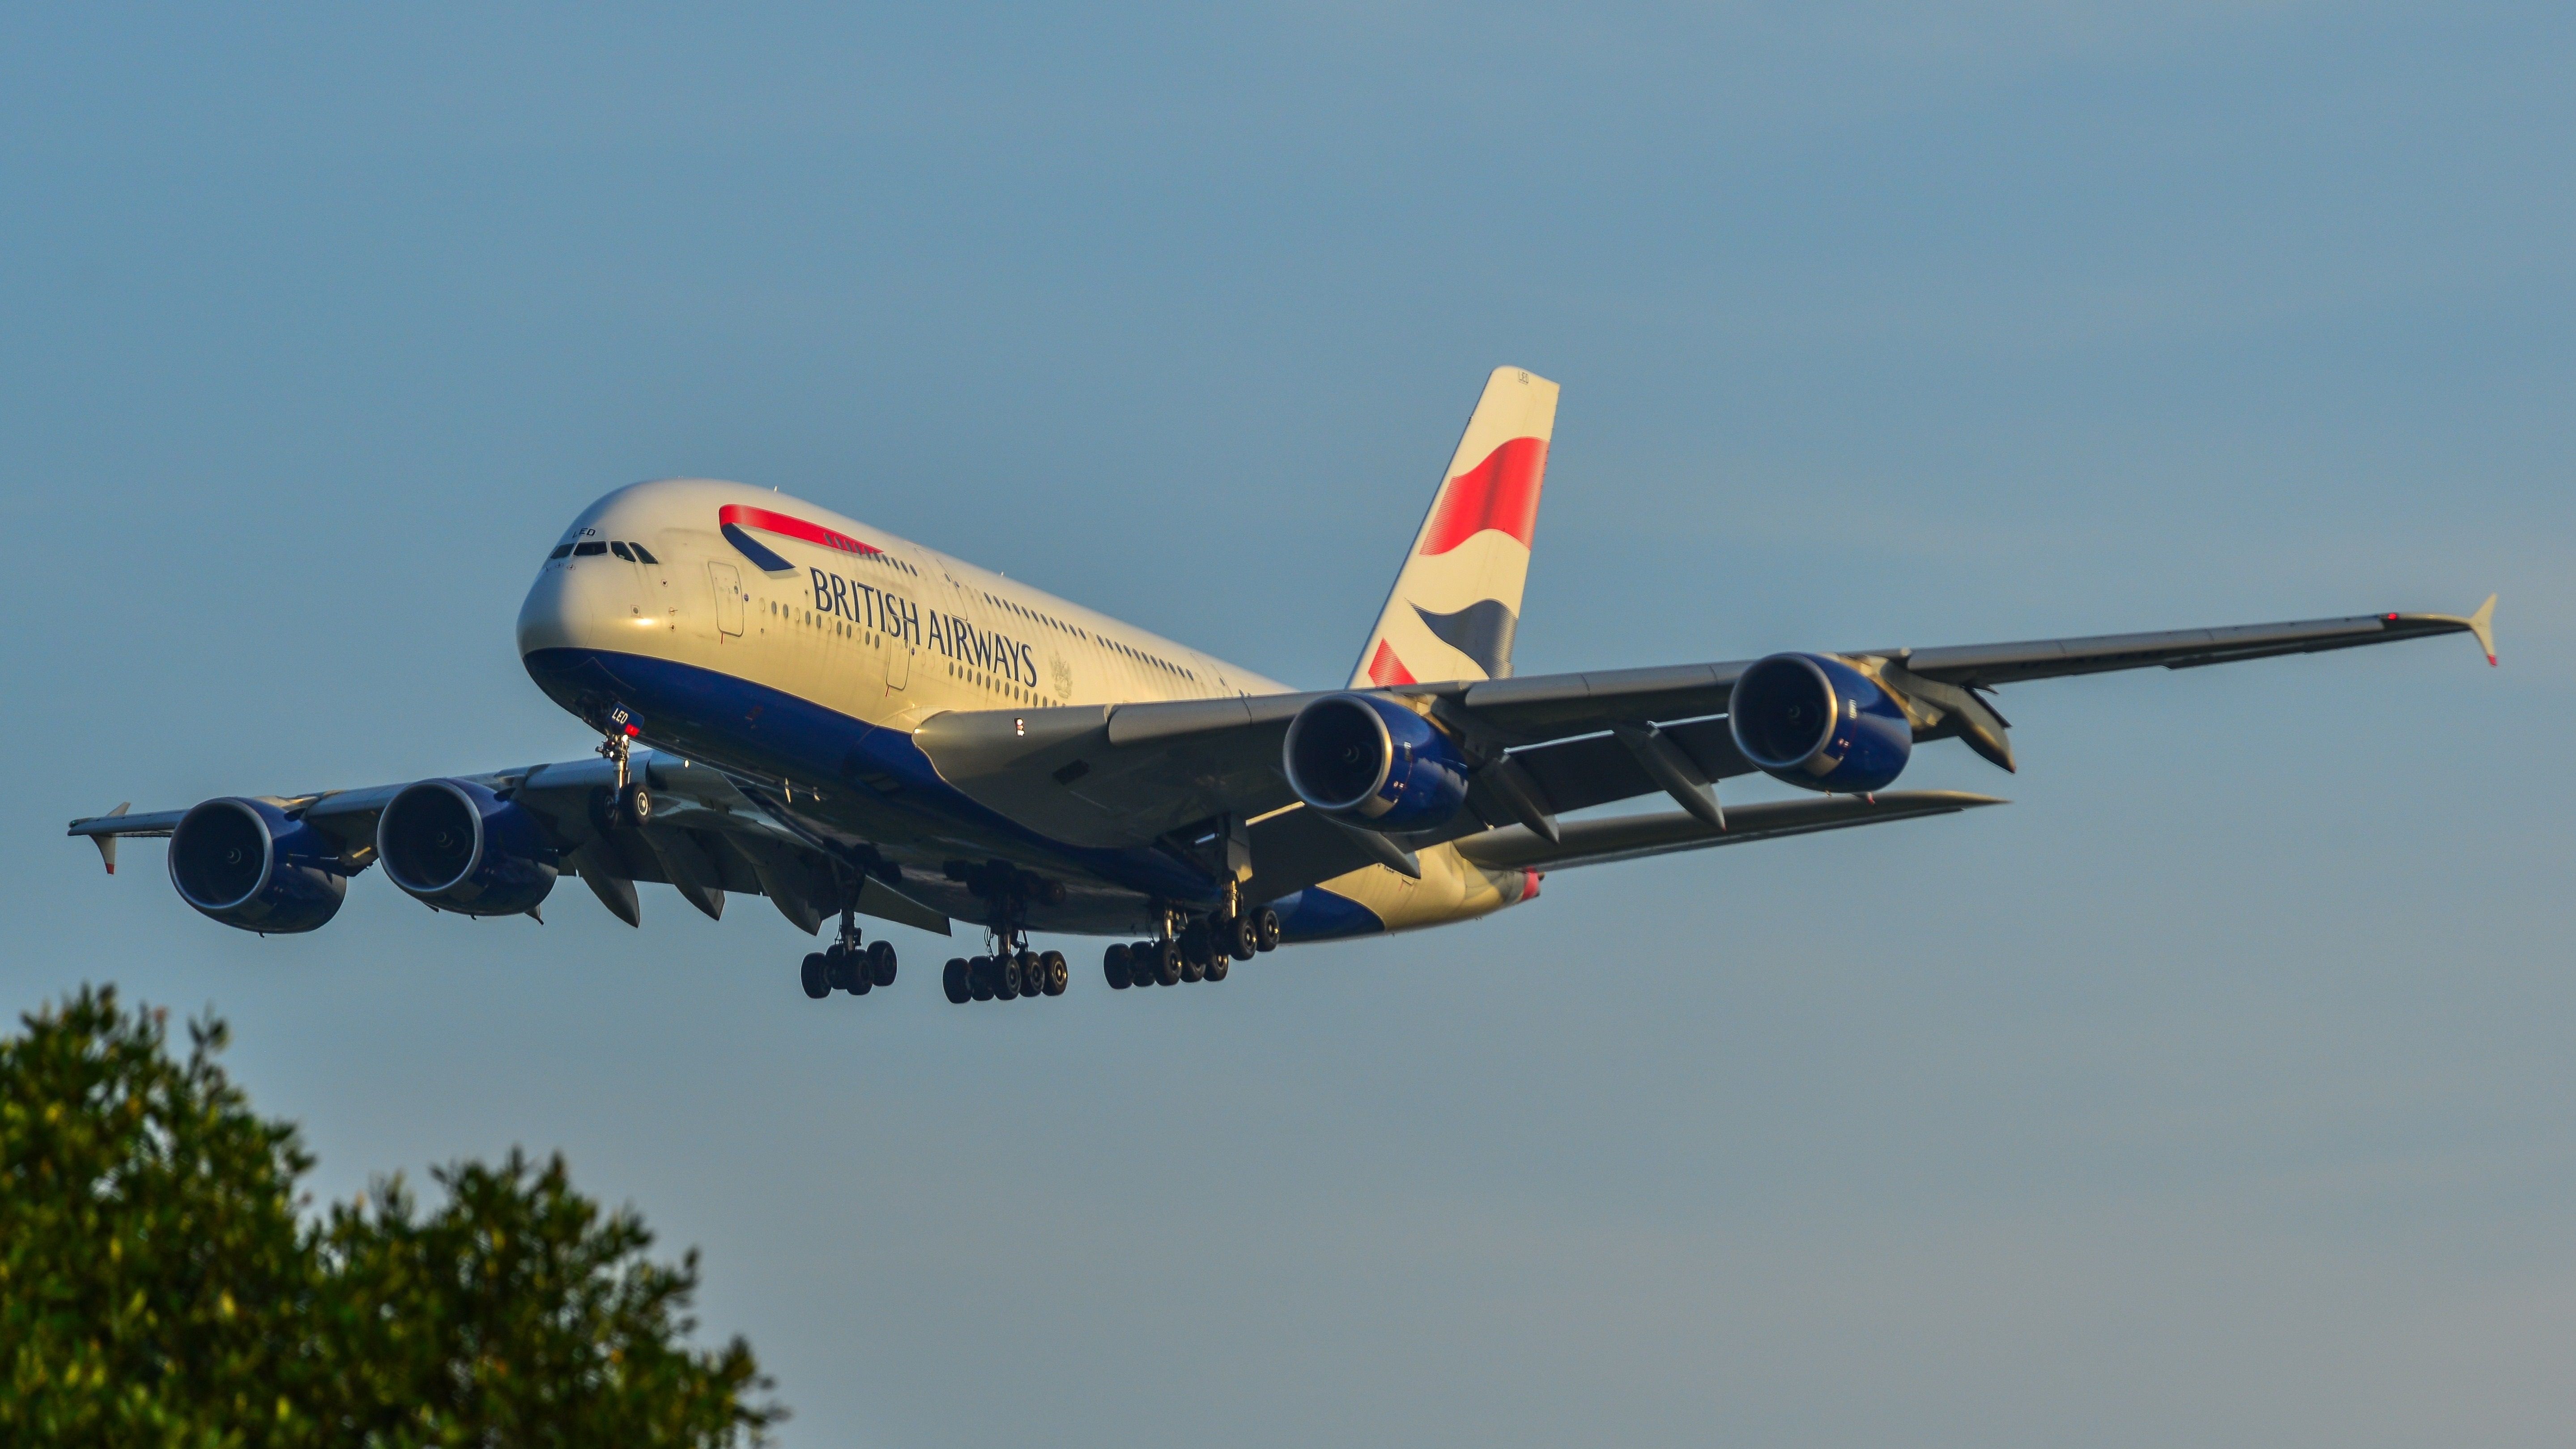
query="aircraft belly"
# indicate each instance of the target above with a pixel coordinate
(869, 780)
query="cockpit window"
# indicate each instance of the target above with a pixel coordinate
(644, 555)
(562, 550)
(619, 549)
(585, 550)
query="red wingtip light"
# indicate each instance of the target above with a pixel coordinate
(2391, 618)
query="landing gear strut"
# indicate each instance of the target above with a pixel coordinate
(632, 803)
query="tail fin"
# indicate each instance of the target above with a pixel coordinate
(1457, 602)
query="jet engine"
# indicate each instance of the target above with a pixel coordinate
(246, 863)
(1819, 724)
(456, 846)
(1370, 762)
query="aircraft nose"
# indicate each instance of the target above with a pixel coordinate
(575, 603)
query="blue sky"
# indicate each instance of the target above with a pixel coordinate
(2215, 1090)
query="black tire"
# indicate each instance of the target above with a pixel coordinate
(860, 985)
(952, 980)
(635, 805)
(1192, 972)
(836, 969)
(1217, 968)
(1242, 938)
(1032, 979)
(1197, 943)
(817, 981)
(881, 963)
(979, 977)
(1113, 964)
(1167, 963)
(1265, 927)
(1053, 973)
(1006, 977)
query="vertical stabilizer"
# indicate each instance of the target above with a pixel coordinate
(1457, 602)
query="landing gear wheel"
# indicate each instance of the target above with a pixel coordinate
(1192, 971)
(1167, 963)
(1031, 983)
(1265, 927)
(836, 969)
(1240, 938)
(980, 977)
(816, 976)
(1217, 968)
(952, 980)
(635, 806)
(1006, 977)
(1113, 964)
(1053, 973)
(880, 967)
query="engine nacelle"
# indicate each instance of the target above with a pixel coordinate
(1373, 763)
(1819, 724)
(246, 863)
(457, 846)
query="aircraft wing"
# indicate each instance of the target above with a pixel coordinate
(706, 838)
(1132, 774)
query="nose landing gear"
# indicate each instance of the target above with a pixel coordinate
(631, 803)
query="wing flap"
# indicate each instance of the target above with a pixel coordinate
(1632, 837)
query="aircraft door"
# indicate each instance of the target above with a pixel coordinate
(729, 597)
(898, 665)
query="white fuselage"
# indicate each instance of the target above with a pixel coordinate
(886, 632)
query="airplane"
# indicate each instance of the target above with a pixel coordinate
(796, 705)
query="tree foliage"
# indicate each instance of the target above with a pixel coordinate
(159, 1284)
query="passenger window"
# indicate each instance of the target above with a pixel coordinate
(619, 549)
(644, 555)
(562, 550)
(585, 550)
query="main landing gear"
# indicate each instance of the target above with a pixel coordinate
(848, 966)
(1011, 973)
(1205, 949)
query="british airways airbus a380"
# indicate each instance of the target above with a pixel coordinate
(852, 724)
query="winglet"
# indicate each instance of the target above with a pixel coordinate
(107, 843)
(2482, 624)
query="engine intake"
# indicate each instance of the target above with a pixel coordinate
(456, 846)
(1818, 723)
(1371, 762)
(246, 863)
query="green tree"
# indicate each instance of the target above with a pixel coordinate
(158, 1284)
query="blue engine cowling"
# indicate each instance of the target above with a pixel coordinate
(247, 863)
(455, 845)
(1371, 762)
(1820, 724)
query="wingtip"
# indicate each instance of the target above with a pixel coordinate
(2482, 625)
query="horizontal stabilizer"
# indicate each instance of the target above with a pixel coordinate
(1630, 837)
